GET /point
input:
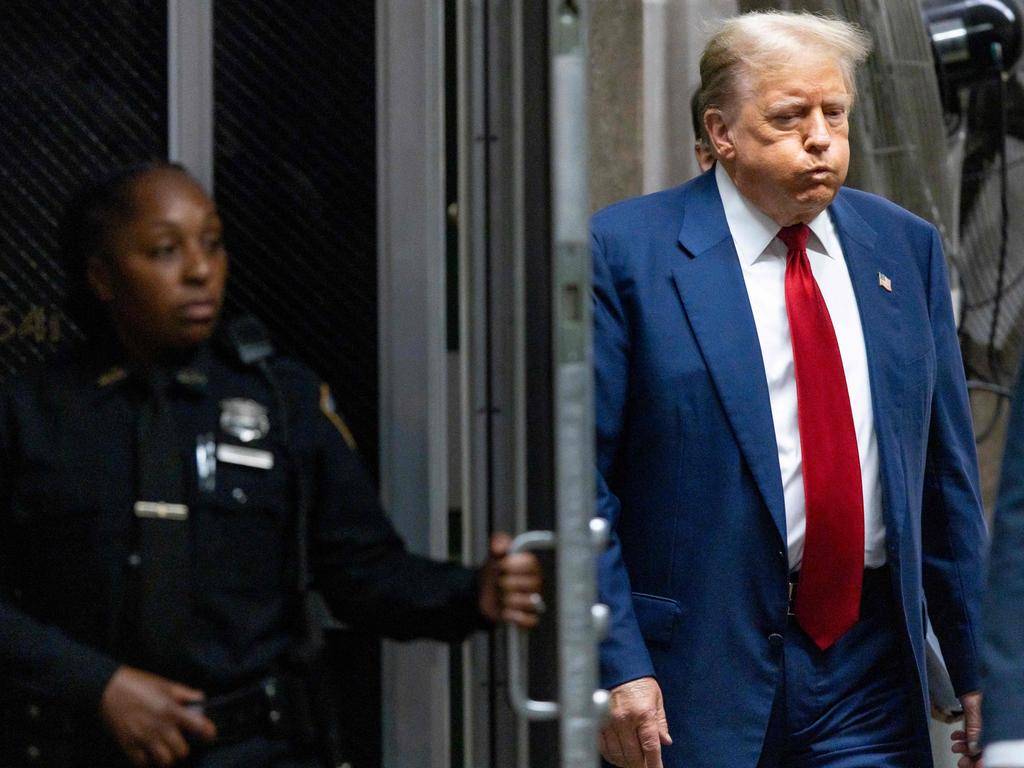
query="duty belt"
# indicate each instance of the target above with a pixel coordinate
(276, 707)
(48, 736)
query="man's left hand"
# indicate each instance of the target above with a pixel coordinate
(510, 585)
(967, 742)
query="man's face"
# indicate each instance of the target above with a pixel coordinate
(786, 146)
(163, 277)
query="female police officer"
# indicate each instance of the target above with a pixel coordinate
(155, 485)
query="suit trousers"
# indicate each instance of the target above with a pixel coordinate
(851, 705)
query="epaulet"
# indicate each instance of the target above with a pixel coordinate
(329, 410)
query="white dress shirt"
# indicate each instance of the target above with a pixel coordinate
(1005, 754)
(763, 261)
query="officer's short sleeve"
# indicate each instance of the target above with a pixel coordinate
(359, 562)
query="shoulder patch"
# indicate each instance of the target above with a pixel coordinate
(329, 410)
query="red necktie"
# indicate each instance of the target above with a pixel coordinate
(828, 594)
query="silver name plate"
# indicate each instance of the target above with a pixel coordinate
(246, 457)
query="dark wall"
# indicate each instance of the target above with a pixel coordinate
(83, 88)
(296, 184)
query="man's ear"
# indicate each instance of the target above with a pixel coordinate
(97, 272)
(719, 133)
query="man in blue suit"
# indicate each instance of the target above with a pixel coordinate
(1003, 614)
(785, 451)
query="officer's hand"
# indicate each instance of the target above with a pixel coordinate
(636, 726)
(149, 717)
(510, 585)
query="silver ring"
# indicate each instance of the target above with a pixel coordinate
(539, 606)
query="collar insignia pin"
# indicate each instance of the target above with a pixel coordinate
(885, 282)
(112, 376)
(244, 419)
(191, 378)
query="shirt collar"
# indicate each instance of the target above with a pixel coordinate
(753, 231)
(109, 369)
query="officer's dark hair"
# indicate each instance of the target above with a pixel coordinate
(94, 210)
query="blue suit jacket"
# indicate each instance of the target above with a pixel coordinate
(1003, 615)
(688, 471)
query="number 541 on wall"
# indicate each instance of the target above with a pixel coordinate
(37, 323)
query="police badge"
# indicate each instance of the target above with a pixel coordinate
(243, 418)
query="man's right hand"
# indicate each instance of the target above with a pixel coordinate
(150, 719)
(636, 726)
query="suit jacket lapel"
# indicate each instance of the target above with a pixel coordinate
(710, 284)
(880, 320)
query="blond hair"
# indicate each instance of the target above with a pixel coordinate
(755, 43)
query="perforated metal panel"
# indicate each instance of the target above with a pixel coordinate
(82, 89)
(295, 178)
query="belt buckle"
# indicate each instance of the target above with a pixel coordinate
(238, 715)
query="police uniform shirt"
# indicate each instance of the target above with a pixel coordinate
(68, 542)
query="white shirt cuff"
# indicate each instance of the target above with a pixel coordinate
(1005, 754)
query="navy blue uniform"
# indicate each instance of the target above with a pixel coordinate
(69, 555)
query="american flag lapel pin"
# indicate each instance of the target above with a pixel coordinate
(885, 282)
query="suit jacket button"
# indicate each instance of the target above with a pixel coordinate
(776, 641)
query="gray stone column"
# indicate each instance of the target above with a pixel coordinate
(644, 57)
(616, 100)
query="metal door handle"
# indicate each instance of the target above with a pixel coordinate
(599, 534)
(525, 707)
(600, 531)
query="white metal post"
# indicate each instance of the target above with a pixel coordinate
(190, 87)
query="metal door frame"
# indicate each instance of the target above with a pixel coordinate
(521, 245)
(413, 361)
(492, 358)
(526, 365)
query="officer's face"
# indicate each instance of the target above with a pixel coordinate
(163, 274)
